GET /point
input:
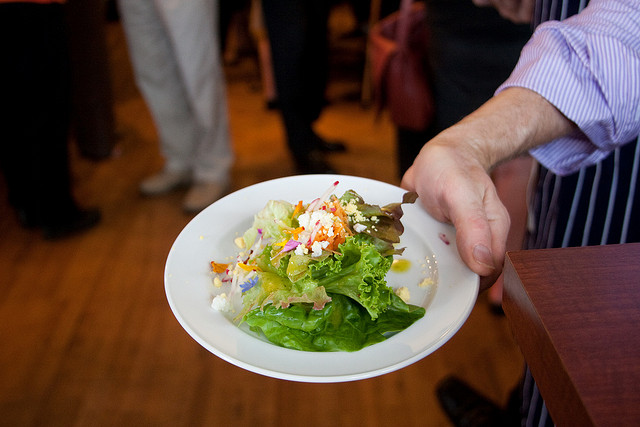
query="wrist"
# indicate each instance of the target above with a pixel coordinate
(511, 123)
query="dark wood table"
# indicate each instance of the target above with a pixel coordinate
(575, 313)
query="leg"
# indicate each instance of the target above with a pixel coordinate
(36, 108)
(193, 31)
(158, 77)
(298, 35)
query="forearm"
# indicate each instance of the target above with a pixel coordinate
(511, 123)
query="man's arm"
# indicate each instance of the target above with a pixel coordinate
(451, 173)
(588, 67)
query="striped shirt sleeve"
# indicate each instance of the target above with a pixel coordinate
(587, 66)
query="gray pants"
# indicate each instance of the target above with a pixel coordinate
(175, 53)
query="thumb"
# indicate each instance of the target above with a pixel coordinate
(482, 226)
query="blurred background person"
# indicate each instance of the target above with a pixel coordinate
(93, 118)
(263, 52)
(297, 31)
(175, 51)
(472, 50)
(35, 109)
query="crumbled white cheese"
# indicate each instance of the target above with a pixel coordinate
(404, 294)
(318, 221)
(359, 228)
(217, 282)
(221, 303)
(317, 248)
(239, 241)
(301, 250)
(330, 231)
(350, 208)
(321, 216)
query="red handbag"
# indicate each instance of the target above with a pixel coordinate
(398, 49)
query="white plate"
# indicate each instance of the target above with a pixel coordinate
(430, 249)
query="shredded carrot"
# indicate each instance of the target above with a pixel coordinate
(295, 232)
(335, 240)
(297, 209)
(342, 215)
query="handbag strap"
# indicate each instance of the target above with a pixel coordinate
(402, 31)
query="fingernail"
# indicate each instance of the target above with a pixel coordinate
(482, 254)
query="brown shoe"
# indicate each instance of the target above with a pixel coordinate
(164, 182)
(201, 195)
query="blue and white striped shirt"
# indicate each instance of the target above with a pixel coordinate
(597, 53)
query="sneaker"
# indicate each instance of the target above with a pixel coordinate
(164, 182)
(201, 195)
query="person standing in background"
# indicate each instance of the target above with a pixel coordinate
(297, 31)
(35, 110)
(93, 116)
(472, 50)
(175, 50)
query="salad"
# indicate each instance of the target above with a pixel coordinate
(312, 277)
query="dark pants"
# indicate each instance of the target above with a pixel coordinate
(472, 51)
(93, 119)
(34, 109)
(299, 48)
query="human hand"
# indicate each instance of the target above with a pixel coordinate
(455, 187)
(451, 173)
(518, 11)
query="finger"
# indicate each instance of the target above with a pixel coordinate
(482, 226)
(499, 224)
(473, 237)
(408, 179)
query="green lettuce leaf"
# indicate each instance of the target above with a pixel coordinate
(342, 325)
(357, 271)
(275, 287)
(270, 219)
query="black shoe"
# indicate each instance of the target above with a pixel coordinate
(272, 104)
(77, 221)
(330, 146)
(496, 308)
(467, 408)
(27, 219)
(313, 163)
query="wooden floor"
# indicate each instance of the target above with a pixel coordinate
(87, 337)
